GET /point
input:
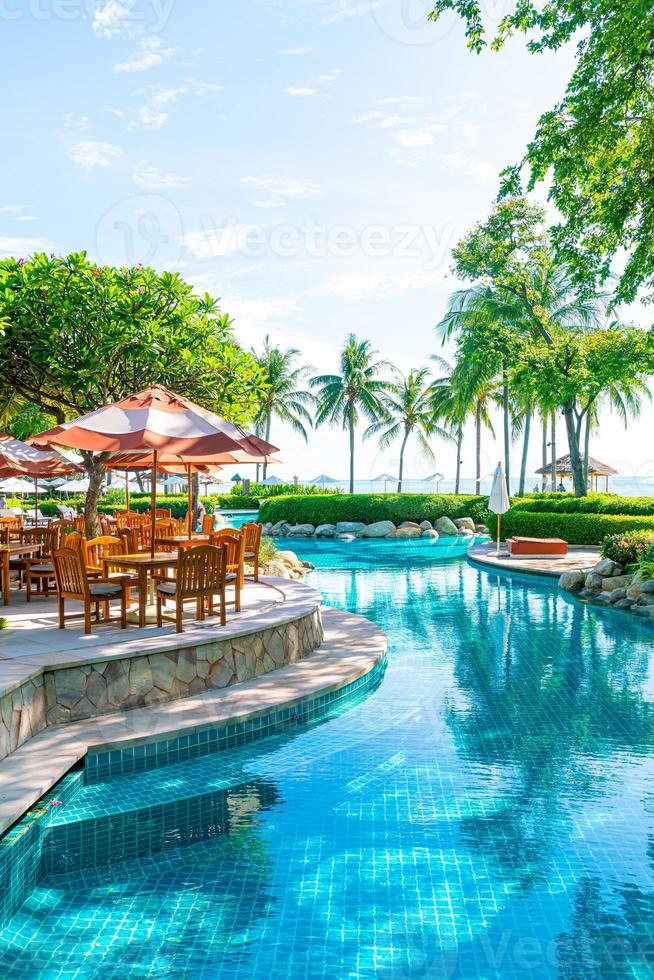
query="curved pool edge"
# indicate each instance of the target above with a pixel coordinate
(352, 648)
(580, 557)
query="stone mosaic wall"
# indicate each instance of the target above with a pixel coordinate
(75, 693)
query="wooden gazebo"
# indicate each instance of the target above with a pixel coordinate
(563, 469)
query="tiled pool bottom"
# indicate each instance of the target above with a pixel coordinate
(486, 812)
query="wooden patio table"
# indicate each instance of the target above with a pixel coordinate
(6, 552)
(173, 540)
(143, 564)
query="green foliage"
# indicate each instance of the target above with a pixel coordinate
(629, 548)
(576, 528)
(645, 568)
(368, 508)
(285, 397)
(595, 146)
(286, 489)
(4, 623)
(594, 503)
(267, 551)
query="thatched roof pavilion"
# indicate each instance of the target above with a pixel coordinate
(596, 469)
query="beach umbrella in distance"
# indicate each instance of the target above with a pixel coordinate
(20, 459)
(237, 478)
(322, 480)
(272, 481)
(16, 485)
(498, 501)
(385, 478)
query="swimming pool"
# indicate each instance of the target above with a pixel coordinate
(487, 811)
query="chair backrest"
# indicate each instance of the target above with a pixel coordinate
(12, 522)
(80, 523)
(74, 541)
(4, 534)
(70, 573)
(105, 526)
(207, 524)
(162, 513)
(47, 537)
(252, 532)
(129, 519)
(131, 538)
(100, 548)
(234, 541)
(201, 570)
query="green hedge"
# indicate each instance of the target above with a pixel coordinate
(594, 503)
(573, 528)
(370, 507)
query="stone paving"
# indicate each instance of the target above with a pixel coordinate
(579, 558)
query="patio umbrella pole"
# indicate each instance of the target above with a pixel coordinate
(153, 502)
(189, 515)
(498, 534)
(36, 501)
(127, 490)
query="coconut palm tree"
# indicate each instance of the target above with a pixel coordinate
(285, 398)
(409, 410)
(358, 389)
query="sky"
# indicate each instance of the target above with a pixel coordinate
(310, 162)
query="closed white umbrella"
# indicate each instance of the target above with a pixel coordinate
(498, 500)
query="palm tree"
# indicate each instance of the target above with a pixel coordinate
(409, 409)
(285, 398)
(357, 389)
(447, 405)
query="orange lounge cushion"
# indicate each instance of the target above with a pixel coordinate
(537, 546)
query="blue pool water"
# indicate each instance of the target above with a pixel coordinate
(486, 811)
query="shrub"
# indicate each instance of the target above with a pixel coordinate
(594, 503)
(4, 623)
(628, 549)
(368, 508)
(573, 528)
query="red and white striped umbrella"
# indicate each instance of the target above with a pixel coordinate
(155, 419)
(19, 459)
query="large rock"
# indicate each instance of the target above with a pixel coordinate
(302, 530)
(277, 569)
(325, 531)
(445, 526)
(429, 532)
(593, 581)
(465, 523)
(606, 568)
(624, 603)
(426, 525)
(616, 582)
(572, 581)
(409, 524)
(648, 586)
(279, 529)
(406, 532)
(616, 595)
(380, 529)
(346, 537)
(350, 527)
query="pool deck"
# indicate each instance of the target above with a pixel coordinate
(580, 558)
(351, 648)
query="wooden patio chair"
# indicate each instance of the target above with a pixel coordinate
(207, 524)
(129, 519)
(252, 534)
(14, 526)
(131, 538)
(73, 583)
(96, 550)
(41, 570)
(234, 541)
(201, 575)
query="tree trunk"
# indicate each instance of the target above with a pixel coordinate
(195, 497)
(575, 458)
(459, 444)
(543, 480)
(258, 469)
(525, 450)
(401, 471)
(507, 434)
(553, 418)
(95, 472)
(587, 446)
(478, 449)
(268, 422)
(351, 428)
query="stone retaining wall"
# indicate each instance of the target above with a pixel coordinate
(70, 694)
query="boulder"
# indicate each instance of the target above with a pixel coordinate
(481, 529)
(571, 581)
(605, 568)
(406, 532)
(345, 537)
(465, 523)
(350, 527)
(616, 582)
(279, 529)
(616, 595)
(646, 600)
(380, 529)
(426, 526)
(429, 532)
(409, 524)
(302, 530)
(325, 531)
(634, 590)
(593, 581)
(647, 587)
(445, 526)
(623, 603)
(277, 569)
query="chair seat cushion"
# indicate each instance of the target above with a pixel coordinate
(167, 588)
(105, 589)
(43, 568)
(231, 577)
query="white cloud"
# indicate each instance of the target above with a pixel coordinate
(112, 17)
(219, 242)
(258, 312)
(479, 170)
(86, 151)
(150, 54)
(281, 190)
(368, 285)
(347, 9)
(21, 246)
(153, 112)
(24, 217)
(149, 177)
(305, 92)
(294, 51)
(414, 138)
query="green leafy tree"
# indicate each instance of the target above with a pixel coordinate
(357, 390)
(285, 397)
(595, 146)
(409, 410)
(75, 336)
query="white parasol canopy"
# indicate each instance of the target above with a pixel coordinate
(498, 500)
